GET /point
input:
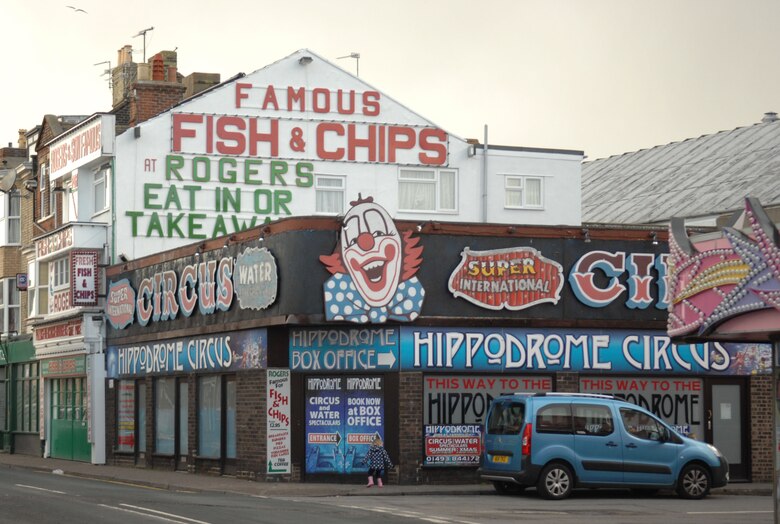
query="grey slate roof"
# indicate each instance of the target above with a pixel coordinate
(701, 176)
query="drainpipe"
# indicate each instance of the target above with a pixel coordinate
(112, 256)
(484, 176)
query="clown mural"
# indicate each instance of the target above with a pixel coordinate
(373, 269)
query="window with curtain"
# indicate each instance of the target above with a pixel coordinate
(429, 190)
(165, 416)
(523, 192)
(329, 191)
(14, 222)
(209, 417)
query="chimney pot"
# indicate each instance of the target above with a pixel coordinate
(769, 116)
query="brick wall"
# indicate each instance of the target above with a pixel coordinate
(567, 382)
(152, 98)
(762, 448)
(410, 412)
(251, 424)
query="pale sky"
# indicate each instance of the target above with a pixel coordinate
(600, 76)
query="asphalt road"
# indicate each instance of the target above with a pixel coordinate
(33, 497)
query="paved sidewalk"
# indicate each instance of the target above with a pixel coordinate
(182, 481)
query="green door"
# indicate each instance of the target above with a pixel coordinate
(69, 419)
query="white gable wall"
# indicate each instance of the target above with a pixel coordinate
(172, 180)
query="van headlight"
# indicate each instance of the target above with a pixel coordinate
(715, 450)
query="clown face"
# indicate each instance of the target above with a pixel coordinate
(371, 250)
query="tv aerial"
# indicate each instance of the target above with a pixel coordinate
(143, 32)
(356, 56)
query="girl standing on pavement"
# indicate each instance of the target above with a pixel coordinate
(378, 461)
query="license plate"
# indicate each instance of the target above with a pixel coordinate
(502, 459)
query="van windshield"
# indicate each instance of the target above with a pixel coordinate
(506, 418)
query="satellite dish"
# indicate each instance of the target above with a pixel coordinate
(7, 179)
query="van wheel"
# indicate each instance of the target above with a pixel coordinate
(694, 482)
(507, 488)
(555, 482)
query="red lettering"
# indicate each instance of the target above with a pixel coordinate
(399, 138)
(371, 103)
(346, 110)
(323, 153)
(436, 147)
(179, 132)
(320, 95)
(270, 98)
(272, 137)
(353, 142)
(294, 96)
(240, 95)
(226, 135)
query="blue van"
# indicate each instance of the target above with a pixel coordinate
(559, 441)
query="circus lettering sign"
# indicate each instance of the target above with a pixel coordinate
(513, 278)
(373, 268)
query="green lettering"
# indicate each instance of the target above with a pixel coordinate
(281, 199)
(173, 223)
(172, 165)
(278, 168)
(304, 174)
(192, 190)
(263, 209)
(134, 221)
(225, 198)
(219, 227)
(195, 226)
(241, 226)
(196, 175)
(249, 171)
(228, 176)
(154, 226)
(149, 196)
(173, 198)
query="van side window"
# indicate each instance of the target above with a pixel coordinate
(641, 425)
(506, 418)
(555, 418)
(592, 420)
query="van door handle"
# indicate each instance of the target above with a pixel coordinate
(611, 444)
(632, 445)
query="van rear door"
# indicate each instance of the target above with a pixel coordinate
(504, 436)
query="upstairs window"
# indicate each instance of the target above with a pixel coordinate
(59, 273)
(44, 191)
(10, 319)
(10, 218)
(428, 190)
(329, 192)
(101, 190)
(523, 192)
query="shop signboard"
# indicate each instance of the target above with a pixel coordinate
(64, 367)
(84, 278)
(343, 414)
(278, 421)
(677, 400)
(232, 351)
(553, 350)
(126, 416)
(340, 349)
(373, 268)
(454, 411)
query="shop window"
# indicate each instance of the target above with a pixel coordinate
(10, 319)
(165, 416)
(209, 416)
(141, 395)
(125, 416)
(329, 192)
(592, 420)
(217, 409)
(26, 397)
(184, 402)
(429, 190)
(523, 192)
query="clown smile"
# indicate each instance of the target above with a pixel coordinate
(373, 270)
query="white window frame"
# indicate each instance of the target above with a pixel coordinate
(436, 181)
(14, 220)
(45, 207)
(521, 188)
(318, 188)
(100, 187)
(32, 290)
(59, 273)
(9, 295)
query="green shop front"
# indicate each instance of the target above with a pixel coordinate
(19, 398)
(65, 382)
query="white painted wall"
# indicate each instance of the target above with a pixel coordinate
(140, 161)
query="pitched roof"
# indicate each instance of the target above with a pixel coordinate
(703, 176)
